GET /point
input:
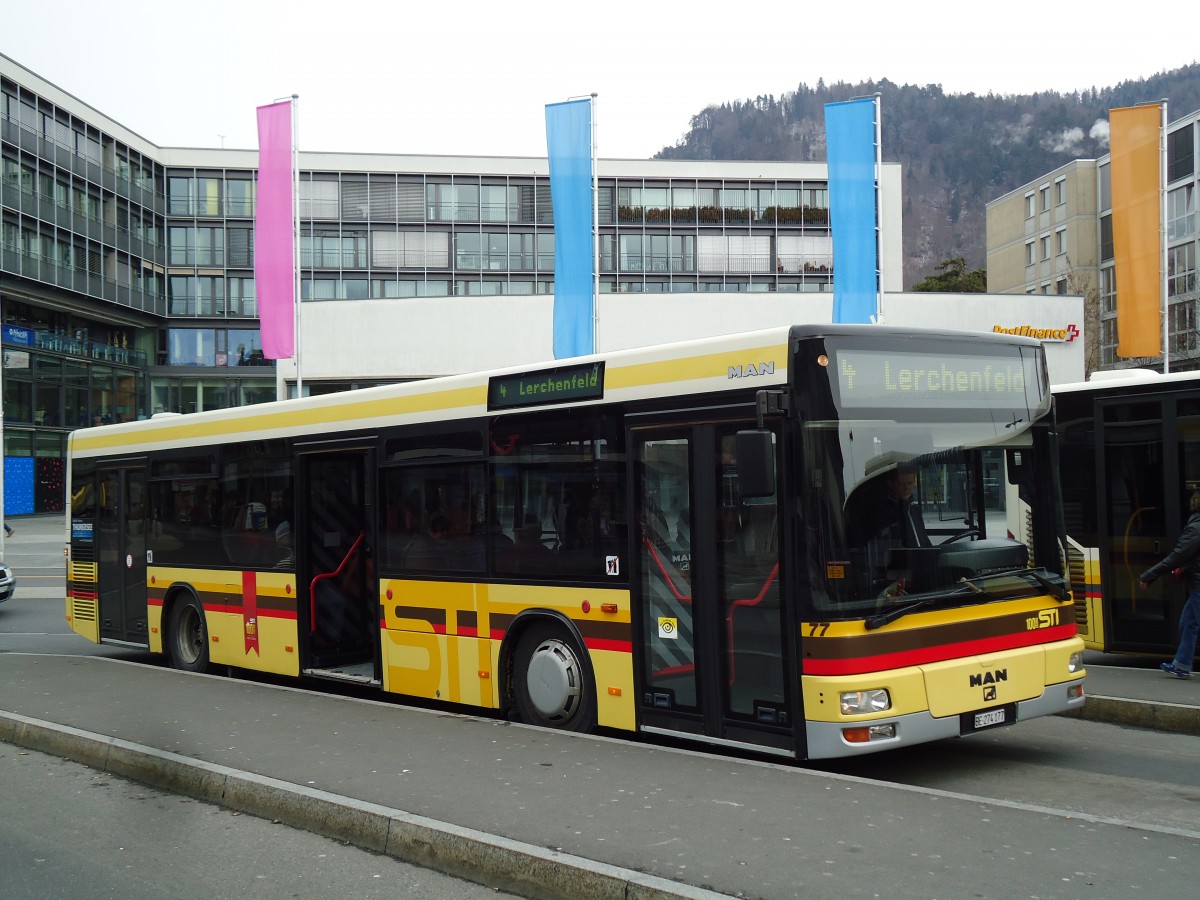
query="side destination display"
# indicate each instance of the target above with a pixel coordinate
(561, 384)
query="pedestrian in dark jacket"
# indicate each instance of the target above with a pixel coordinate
(1184, 556)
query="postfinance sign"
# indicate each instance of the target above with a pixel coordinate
(1066, 335)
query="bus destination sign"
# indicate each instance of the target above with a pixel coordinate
(562, 384)
(877, 378)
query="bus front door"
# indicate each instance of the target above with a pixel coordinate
(707, 589)
(121, 555)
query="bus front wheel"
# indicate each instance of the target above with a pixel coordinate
(552, 685)
(189, 636)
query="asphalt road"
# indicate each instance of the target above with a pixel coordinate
(70, 831)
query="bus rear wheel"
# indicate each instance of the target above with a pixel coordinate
(189, 636)
(551, 681)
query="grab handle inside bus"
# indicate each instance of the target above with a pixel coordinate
(312, 588)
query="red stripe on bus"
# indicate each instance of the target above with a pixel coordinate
(865, 664)
(608, 644)
(237, 611)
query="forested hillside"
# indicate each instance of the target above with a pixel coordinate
(958, 151)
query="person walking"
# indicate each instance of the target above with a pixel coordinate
(1184, 557)
(8, 531)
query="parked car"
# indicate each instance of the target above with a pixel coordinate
(8, 582)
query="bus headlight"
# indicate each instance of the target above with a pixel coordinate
(1075, 663)
(855, 703)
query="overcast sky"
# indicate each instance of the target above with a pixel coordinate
(473, 77)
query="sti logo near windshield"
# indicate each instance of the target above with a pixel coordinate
(874, 378)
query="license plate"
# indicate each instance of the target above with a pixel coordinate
(989, 718)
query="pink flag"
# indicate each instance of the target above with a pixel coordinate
(274, 277)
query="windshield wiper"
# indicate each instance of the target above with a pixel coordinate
(886, 618)
(969, 586)
(1057, 589)
(1061, 591)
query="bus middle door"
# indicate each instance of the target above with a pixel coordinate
(712, 634)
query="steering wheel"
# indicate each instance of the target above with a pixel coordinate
(961, 536)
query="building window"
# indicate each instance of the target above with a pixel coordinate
(1108, 341)
(452, 202)
(1060, 191)
(1029, 253)
(733, 253)
(239, 198)
(333, 250)
(803, 253)
(196, 246)
(239, 244)
(1060, 241)
(1108, 291)
(191, 347)
(187, 196)
(410, 249)
(498, 203)
(1106, 238)
(1044, 191)
(319, 199)
(241, 297)
(1181, 153)
(1181, 270)
(1182, 326)
(1181, 212)
(1045, 242)
(1060, 286)
(192, 295)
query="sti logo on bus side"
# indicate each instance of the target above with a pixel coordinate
(752, 369)
(989, 678)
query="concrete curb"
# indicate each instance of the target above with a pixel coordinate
(487, 859)
(1173, 717)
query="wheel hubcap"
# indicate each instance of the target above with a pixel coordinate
(553, 680)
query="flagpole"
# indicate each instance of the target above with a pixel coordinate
(595, 237)
(296, 237)
(878, 209)
(1162, 235)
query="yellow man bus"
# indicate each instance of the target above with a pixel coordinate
(678, 540)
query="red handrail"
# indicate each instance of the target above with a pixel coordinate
(774, 573)
(312, 588)
(649, 544)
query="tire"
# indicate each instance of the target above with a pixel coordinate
(552, 680)
(188, 636)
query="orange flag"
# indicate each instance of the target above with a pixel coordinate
(1134, 134)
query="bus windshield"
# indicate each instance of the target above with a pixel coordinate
(927, 481)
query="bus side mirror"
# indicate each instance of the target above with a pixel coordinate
(1018, 472)
(755, 463)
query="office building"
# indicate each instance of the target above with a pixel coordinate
(1054, 235)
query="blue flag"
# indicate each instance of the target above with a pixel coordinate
(569, 146)
(850, 151)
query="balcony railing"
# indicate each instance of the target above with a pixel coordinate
(79, 348)
(102, 287)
